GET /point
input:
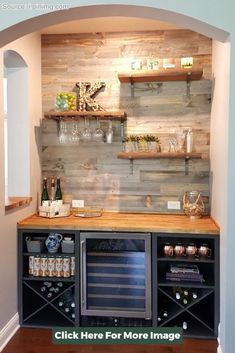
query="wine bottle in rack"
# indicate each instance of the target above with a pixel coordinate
(185, 298)
(185, 325)
(61, 303)
(177, 291)
(73, 315)
(163, 314)
(194, 294)
(181, 295)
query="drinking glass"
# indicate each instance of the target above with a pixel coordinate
(75, 132)
(63, 132)
(86, 133)
(98, 134)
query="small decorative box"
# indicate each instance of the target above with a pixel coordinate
(54, 211)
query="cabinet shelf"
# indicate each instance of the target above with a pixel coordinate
(185, 259)
(159, 75)
(102, 115)
(156, 155)
(50, 279)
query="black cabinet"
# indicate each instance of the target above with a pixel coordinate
(48, 282)
(123, 279)
(186, 285)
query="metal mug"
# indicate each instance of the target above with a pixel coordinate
(204, 251)
(168, 249)
(179, 250)
(191, 250)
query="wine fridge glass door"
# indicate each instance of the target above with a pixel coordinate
(115, 274)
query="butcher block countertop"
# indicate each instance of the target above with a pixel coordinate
(131, 222)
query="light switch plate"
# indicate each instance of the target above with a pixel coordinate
(78, 203)
(173, 205)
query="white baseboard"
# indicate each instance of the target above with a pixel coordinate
(8, 331)
(219, 349)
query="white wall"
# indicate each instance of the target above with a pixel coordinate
(29, 47)
(221, 15)
(219, 160)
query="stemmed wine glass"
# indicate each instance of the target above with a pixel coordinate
(75, 133)
(63, 132)
(86, 133)
(98, 134)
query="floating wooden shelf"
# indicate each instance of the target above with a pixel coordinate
(152, 155)
(160, 75)
(102, 115)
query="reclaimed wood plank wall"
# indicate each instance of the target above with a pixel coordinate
(91, 171)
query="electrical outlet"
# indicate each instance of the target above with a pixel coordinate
(173, 205)
(78, 203)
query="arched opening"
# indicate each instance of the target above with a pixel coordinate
(16, 125)
(37, 23)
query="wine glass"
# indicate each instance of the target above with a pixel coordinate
(86, 133)
(63, 132)
(75, 133)
(98, 134)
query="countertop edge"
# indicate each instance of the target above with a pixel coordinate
(209, 228)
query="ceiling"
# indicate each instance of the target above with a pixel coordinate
(108, 24)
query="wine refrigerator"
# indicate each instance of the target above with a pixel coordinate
(115, 274)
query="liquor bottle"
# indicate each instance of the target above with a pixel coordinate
(109, 133)
(189, 141)
(52, 193)
(44, 196)
(58, 193)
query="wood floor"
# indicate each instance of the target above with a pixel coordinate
(31, 340)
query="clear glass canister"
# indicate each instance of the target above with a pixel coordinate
(66, 101)
(193, 204)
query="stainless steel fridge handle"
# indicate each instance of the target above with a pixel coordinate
(83, 278)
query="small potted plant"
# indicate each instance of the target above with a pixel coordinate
(127, 144)
(153, 143)
(134, 140)
(142, 143)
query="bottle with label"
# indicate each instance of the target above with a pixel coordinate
(189, 141)
(58, 193)
(44, 197)
(52, 193)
